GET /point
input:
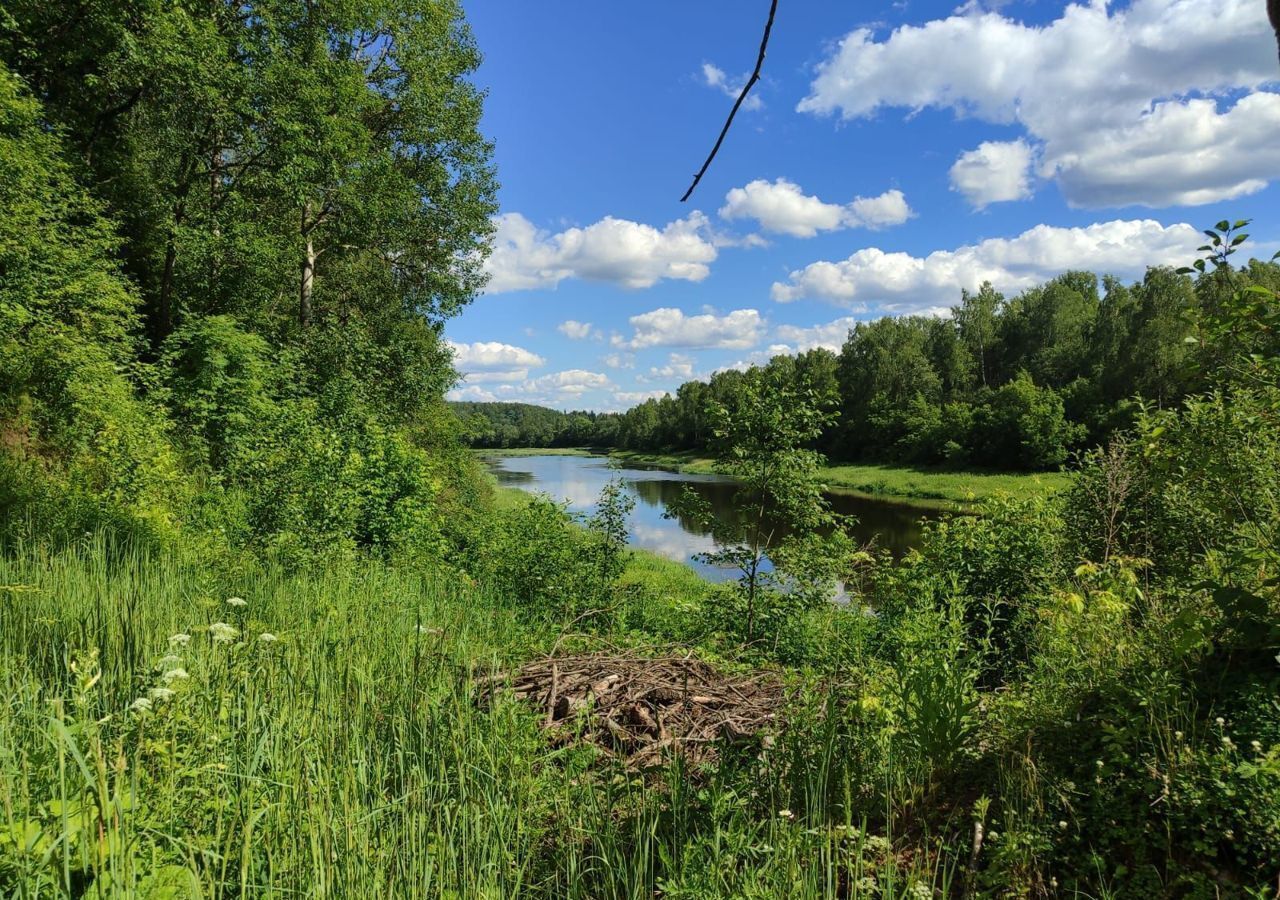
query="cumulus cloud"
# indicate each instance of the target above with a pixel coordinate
(1154, 103)
(900, 282)
(995, 172)
(678, 366)
(667, 327)
(570, 381)
(620, 360)
(781, 206)
(797, 339)
(616, 251)
(715, 77)
(492, 361)
(575, 330)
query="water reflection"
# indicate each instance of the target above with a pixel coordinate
(578, 481)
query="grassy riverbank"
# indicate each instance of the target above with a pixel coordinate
(534, 451)
(925, 487)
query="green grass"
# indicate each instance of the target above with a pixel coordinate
(535, 451)
(348, 757)
(926, 487)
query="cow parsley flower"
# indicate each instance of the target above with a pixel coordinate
(236, 601)
(160, 694)
(179, 640)
(141, 705)
(267, 637)
(169, 662)
(223, 633)
(173, 675)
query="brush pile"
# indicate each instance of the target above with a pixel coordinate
(641, 709)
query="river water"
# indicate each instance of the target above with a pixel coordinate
(578, 480)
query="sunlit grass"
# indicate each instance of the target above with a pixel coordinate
(923, 486)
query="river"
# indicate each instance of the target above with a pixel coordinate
(578, 480)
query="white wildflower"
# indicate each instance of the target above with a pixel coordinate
(141, 705)
(1177, 735)
(267, 637)
(1256, 745)
(169, 662)
(1221, 721)
(223, 633)
(237, 601)
(786, 814)
(1062, 823)
(179, 640)
(160, 694)
(173, 675)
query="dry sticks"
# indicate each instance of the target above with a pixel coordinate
(755, 76)
(640, 709)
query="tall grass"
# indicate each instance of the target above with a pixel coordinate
(323, 740)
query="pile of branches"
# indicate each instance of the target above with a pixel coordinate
(641, 709)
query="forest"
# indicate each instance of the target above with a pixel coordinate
(268, 628)
(1021, 383)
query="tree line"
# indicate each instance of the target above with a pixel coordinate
(1016, 382)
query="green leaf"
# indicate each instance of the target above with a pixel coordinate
(1224, 225)
(1239, 239)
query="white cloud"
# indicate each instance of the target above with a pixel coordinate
(1114, 98)
(492, 354)
(617, 251)
(715, 77)
(669, 327)
(570, 381)
(781, 206)
(575, 330)
(477, 394)
(830, 336)
(678, 366)
(995, 172)
(899, 282)
(492, 361)
(620, 360)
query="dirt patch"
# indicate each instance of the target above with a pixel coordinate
(642, 709)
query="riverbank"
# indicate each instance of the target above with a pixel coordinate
(923, 487)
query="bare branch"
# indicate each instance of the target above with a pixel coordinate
(746, 88)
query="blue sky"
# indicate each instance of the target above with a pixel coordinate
(893, 154)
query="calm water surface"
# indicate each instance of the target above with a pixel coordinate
(578, 480)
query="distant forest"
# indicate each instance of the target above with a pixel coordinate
(1003, 383)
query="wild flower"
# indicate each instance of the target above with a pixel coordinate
(160, 694)
(1221, 721)
(179, 640)
(237, 601)
(267, 637)
(1256, 745)
(178, 674)
(786, 814)
(921, 890)
(223, 633)
(141, 705)
(1062, 823)
(169, 662)
(1177, 735)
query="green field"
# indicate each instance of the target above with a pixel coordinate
(923, 486)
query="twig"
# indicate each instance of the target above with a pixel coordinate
(755, 76)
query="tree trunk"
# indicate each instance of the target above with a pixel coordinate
(162, 325)
(306, 282)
